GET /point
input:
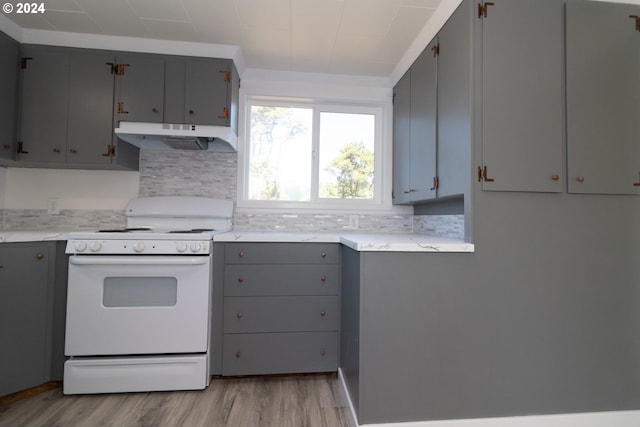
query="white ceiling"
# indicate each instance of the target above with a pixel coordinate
(357, 37)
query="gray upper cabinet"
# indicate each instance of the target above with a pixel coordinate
(454, 103)
(414, 131)
(401, 139)
(522, 95)
(603, 103)
(90, 121)
(139, 88)
(9, 51)
(44, 75)
(199, 91)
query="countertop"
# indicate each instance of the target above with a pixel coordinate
(363, 242)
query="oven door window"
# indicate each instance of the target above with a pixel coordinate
(139, 292)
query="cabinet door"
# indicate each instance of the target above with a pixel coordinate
(454, 89)
(23, 311)
(44, 101)
(174, 87)
(401, 139)
(90, 127)
(9, 50)
(206, 93)
(139, 88)
(422, 158)
(522, 115)
(603, 98)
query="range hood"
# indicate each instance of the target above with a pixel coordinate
(178, 136)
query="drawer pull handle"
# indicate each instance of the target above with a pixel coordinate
(239, 315)
(240, 279)
(555, 177)
(323, 254)
(323, 278)
(580, 179)
(237, 355)
(241, 254)
(39, 256)
(323, 352)
(323, 313)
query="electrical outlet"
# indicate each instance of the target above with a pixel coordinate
(52, 206)
(354, 221)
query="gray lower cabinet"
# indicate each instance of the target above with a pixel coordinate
(522, 87)
(603, 65)
(25, 283)
(281, 308)
(9, 51)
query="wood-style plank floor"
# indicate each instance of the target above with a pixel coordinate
(276, 401)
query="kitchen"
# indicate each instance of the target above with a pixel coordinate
(540, 319)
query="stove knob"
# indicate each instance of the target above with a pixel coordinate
(195, 247)
(138, 247)
(181, 246)
(80, 246)
(95, 246)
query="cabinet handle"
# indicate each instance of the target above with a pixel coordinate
(237, 355)
(154, 110)
(240, 279)
(580, 179)
(241, 254)
(555, 177)
(191, 112)
(323, 254)
(323, 313)
(239, 315)
(73, 151)
(39, 256)
(323, 278)
(56, 150)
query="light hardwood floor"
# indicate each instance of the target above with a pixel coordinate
(276, 401)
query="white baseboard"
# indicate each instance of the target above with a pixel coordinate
(589, 419)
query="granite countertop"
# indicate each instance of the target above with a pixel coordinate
(363, 242)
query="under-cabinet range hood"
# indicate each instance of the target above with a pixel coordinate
(178, 136)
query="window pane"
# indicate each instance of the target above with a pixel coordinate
(346, 155)
(280, 153)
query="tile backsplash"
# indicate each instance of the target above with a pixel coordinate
(214, 174)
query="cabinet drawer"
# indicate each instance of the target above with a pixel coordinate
(278, 353)
(280, 314)
(281, 253)
(300, 279)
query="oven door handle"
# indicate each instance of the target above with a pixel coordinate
(137, 260)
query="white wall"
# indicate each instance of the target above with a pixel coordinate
(30, 188)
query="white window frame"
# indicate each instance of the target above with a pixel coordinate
(380, 202)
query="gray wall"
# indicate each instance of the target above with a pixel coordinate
(543, 318)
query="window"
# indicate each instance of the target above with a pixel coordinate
(312, 155)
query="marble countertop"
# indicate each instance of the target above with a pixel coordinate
(363, 242)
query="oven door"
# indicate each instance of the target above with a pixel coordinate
(137, 305)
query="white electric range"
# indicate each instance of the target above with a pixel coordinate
(139, 299)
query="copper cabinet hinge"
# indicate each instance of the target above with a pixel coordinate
(483, 175)
(436, 50)
(20, 148)
(436, 183)
(23, 62)
(637, 184)
(227, 75)
(113, 68)
(637, 18)
(120, 69)
(226, 113)
(121, 109)
(482, 9)
(110, 151)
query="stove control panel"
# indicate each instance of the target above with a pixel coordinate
(141, 247)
